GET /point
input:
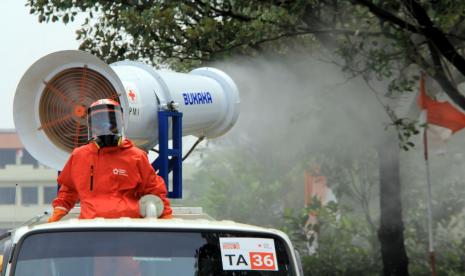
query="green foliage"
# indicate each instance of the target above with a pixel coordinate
(449, 220)
(180, 33)
(347, 244)
(344, 246)
(238, 187)
(187, 33)
(406, 128)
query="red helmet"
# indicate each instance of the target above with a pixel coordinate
(105, 122)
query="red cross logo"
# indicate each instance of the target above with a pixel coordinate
(132, 95)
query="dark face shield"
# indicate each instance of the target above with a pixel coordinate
(105, 121)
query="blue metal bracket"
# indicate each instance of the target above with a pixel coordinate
(170, 159)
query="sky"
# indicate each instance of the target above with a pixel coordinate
(23, 41)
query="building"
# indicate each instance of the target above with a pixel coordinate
(26, 187)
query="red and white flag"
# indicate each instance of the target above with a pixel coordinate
(315, 188)
(442, 117)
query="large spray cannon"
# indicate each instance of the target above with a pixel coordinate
(52, 97)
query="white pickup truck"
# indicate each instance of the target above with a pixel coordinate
(191, 243)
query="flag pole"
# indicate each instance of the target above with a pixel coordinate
(430, 212)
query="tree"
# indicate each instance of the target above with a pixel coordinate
(375, 39)
(391, 228)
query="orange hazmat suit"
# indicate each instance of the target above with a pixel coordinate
(108, 181)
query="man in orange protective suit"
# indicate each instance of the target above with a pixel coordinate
(109, 175)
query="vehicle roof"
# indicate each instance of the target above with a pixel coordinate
(151, 223)
(184, 218)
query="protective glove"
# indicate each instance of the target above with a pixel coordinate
(166, 216)
(57, 214)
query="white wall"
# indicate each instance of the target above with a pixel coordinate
(18, 177)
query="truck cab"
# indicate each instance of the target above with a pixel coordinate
(191, 243)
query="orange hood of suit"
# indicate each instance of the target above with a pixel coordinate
(109, 181)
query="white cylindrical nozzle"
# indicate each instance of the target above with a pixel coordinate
(53, 95)
(151, 206)
(151, 211)
(207, 97)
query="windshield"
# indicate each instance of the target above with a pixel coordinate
(92, 253)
